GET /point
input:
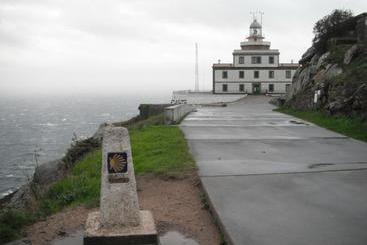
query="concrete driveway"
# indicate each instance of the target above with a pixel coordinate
(275, 179)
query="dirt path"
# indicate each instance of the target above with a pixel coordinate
(176, 205)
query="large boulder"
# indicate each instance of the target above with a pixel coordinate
(49, 172)
(350, 54)
(322, 60)
(23, 199)
(277, 101)
(45, 174)
(307, 56)
(332, 71)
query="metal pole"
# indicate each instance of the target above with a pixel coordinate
(196, 68)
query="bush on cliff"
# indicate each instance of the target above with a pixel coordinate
(78, 149)
(336, 24)
(11, 223)
(335, 66)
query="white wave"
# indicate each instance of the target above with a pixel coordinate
(8, 192)
(48, 124)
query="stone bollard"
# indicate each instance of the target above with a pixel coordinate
(119, 221)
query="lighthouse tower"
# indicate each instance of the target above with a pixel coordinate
(255, 68)
(255, 38)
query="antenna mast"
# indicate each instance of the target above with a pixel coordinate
(196, 68)
(261, 21)
(253, 15)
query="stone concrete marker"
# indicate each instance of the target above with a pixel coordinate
(119, 220)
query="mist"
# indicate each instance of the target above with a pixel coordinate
(103, 47)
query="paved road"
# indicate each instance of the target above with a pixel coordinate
(275, 179)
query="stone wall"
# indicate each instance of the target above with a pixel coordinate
(147, 110)
(174, 114)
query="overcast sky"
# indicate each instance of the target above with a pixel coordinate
(140, 45)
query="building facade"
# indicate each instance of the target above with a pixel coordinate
(255, 68)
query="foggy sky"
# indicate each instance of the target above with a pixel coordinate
(134, 46)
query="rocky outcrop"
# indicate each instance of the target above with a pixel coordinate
(338, 75)
(350, 54)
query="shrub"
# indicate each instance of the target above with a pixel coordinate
(11, 223)
(336, 24)
(78, 149)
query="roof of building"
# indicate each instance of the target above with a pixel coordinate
(256, 51)
(255, 24)
(289, 64)
(223, 65)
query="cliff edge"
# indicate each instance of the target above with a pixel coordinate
(332, 76)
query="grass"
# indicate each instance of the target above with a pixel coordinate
(156, 149)
(160, 150)
(11, 222)
(353, 127)
(81, 186)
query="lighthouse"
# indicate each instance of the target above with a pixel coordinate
(255, 68)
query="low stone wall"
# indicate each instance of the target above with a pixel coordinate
(147, 110)
(174, 114)
(203, 97)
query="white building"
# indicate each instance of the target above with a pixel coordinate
(255, 68)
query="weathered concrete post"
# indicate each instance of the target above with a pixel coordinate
(119, 220)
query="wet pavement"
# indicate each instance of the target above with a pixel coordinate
(275, 179)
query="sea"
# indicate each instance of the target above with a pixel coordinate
(37, 129)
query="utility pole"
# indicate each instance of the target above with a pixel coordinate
(196, 68)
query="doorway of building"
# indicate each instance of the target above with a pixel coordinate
(256, 88)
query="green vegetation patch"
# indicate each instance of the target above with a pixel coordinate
(160, 150)
(11, 223)
(78, 149)
(355, 72)
(81, 186)
(156, 149)
(352, 127)
(337, 53)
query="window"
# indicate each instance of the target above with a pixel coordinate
(256, 74)
(271, 87)
(271, 74)
(256, 60)
(242, 88)
(241, 60)
(271, 59)
(288, 74)
(241, 74)
(224, 87)
(224, 74)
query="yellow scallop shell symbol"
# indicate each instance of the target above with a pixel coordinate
(117, 163)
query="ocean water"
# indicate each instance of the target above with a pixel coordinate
(45, 125)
